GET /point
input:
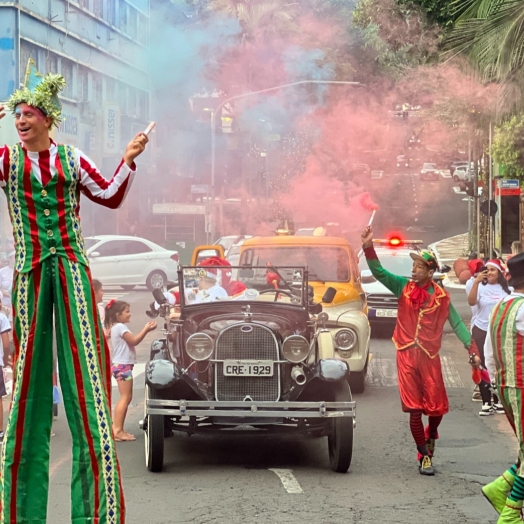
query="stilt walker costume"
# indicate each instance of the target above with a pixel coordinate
(504, 355)
(422, 313)
(52, 274)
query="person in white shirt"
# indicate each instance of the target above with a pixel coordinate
(488, 289)
(6, 285)
(474, 266)
(5, 360)
(117, 315)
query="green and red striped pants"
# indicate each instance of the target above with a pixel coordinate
(63, 287)
(513, 401)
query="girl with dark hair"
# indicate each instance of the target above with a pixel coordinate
(488, 289)
(123, 343)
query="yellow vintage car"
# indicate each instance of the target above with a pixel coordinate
(331, 262)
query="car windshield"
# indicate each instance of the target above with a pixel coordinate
(429, 166)
(283, 284)
(398, 264)
(90, 242)
(324, 263)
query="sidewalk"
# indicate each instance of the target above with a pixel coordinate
(447, 251)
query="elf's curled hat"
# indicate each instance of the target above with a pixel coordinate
(40, 92)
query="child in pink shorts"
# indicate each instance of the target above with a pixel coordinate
(117, 315)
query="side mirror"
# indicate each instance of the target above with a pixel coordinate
(329, 295)
(94, 254)
(310, 292)
(445, 269)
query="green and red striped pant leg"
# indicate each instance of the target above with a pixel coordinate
(513, 401)
(64, 287)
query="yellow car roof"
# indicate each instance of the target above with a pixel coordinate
(291, 240)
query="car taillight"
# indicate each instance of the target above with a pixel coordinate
(175, 257)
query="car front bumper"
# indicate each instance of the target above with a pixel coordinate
(295, 410)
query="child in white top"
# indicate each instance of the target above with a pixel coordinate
(117, 315)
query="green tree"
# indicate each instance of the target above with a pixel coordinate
(508, 147)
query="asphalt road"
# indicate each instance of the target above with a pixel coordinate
(231, 479)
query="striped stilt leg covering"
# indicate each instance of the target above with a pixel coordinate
(96, 490)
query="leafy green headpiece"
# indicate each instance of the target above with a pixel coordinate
(41, 92)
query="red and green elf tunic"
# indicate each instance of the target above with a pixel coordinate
(418, 337)
(51, 273)
(504, 350)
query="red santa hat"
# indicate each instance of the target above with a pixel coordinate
(211, 265)
(475, 265)
(495, 263)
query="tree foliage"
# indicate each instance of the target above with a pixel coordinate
(508, 147)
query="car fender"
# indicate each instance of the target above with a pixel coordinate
(160, 373)
(358, 321)
(332, 370)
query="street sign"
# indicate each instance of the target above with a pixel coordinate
(508, 184)
(199, 189)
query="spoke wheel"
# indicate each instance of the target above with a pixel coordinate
(340, 440)
(154, 436)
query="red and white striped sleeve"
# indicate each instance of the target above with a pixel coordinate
(108, 193)
(4, 165)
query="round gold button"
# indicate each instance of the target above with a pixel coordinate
(44, 192)
(52, 251)
(47, 212)
(49, 233)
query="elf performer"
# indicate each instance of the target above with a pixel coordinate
(423, 308)
(504, 356)
(42, 181)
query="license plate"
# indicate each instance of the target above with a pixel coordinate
(248, 368)
(386, 312)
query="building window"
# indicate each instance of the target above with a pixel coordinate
(27, 51)
(97, 88)
(98, 8)
(51, 63)
(84, 3)
(110, 90)
(131, 107)
(111, 11)
(67, 73)
(133, 22)
(143, 29)
(122, 11)
(83, 84)
(122, 97)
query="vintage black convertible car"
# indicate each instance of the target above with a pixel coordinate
(261, 359)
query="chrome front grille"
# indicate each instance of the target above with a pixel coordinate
(382, 301)
(258, 343)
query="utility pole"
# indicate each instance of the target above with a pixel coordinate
(490, 196)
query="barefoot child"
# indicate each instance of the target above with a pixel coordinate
(123, 342)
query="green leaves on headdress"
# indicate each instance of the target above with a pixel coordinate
(41, 92)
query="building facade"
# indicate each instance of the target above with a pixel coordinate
(101, 47)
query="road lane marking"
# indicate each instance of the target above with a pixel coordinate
(288, 480)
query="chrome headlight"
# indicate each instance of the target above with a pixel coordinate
(200, 346)
(295, 349)
(345, 339)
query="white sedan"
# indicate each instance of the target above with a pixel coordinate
(129, 261)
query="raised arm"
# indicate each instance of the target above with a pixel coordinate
(393, 282)
(110, 193)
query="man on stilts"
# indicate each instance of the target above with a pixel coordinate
(423, 309)
(503, 351)
(42, 182)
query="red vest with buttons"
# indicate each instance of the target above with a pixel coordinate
(421, 327)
